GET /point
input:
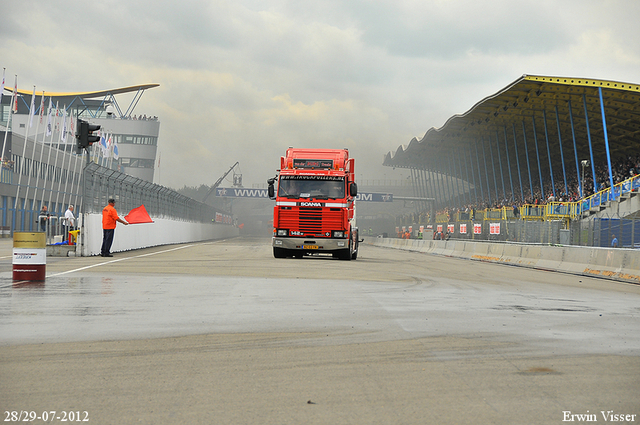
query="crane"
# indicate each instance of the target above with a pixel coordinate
(217, 183)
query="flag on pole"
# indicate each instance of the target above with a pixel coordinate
(69, 126)
(49, 129)
(56, 122)
(15, 97)
(41, 108)
(103, 145)
(72, 131)
(63, 133)
(116, 151)
(4, 70)
(32, 107)
(138, 215)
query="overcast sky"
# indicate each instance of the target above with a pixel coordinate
(241, 80)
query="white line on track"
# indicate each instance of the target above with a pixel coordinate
(119, 259)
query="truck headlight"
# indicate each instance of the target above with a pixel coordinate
(338, 234)
(282, 232)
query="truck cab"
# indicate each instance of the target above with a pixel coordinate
(315, 193)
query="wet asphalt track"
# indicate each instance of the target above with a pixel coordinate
(497, 344)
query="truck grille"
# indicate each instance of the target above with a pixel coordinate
(310, 220)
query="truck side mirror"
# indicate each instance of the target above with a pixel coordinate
(271, 192)
(353, 189)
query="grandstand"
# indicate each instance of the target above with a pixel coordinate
(544, 153)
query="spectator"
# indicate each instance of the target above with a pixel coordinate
(43, 217)
(69, 222)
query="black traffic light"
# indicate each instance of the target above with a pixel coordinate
(84, 134)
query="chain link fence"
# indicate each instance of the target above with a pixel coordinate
(51, 175)
(598, 232)
(523, 231)
(97, 185)
(100, 184)
(602, 232)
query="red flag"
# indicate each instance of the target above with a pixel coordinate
(138, 215)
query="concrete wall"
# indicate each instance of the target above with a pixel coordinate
(618, 264)
(160, 232)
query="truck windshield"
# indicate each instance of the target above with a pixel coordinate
(317, 187)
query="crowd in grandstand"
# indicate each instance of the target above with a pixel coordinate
(142, 118)
(622, 169)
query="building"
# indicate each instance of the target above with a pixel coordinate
(135, 134)
(40, 165)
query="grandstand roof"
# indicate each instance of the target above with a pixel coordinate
(90, 102)
(90, 94)
(511, 112)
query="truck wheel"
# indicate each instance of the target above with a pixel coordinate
(355, 251)
(345, 254)
(279, 252)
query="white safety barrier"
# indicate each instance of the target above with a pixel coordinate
(160, 232)
(611, 263)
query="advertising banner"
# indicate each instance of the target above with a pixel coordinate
(238, 192)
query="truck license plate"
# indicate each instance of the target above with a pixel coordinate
(309, 246)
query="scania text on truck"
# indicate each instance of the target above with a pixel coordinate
(315, 209)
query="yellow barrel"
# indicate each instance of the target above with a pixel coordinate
(29, 256)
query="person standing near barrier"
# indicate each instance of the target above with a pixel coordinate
(109, 221)
(614, 241)
(69, 222)
(43, 217)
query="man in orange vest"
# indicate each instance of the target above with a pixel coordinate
(109, 219)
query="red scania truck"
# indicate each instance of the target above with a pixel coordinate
(315, 209)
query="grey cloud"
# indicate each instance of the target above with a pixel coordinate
(253, 77)
(499, 27)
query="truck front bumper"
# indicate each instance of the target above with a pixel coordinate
(310, 245)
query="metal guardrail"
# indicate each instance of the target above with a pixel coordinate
(597, 232)
(54, 226)
(551, 223)
(550, 210)
(610, 194)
